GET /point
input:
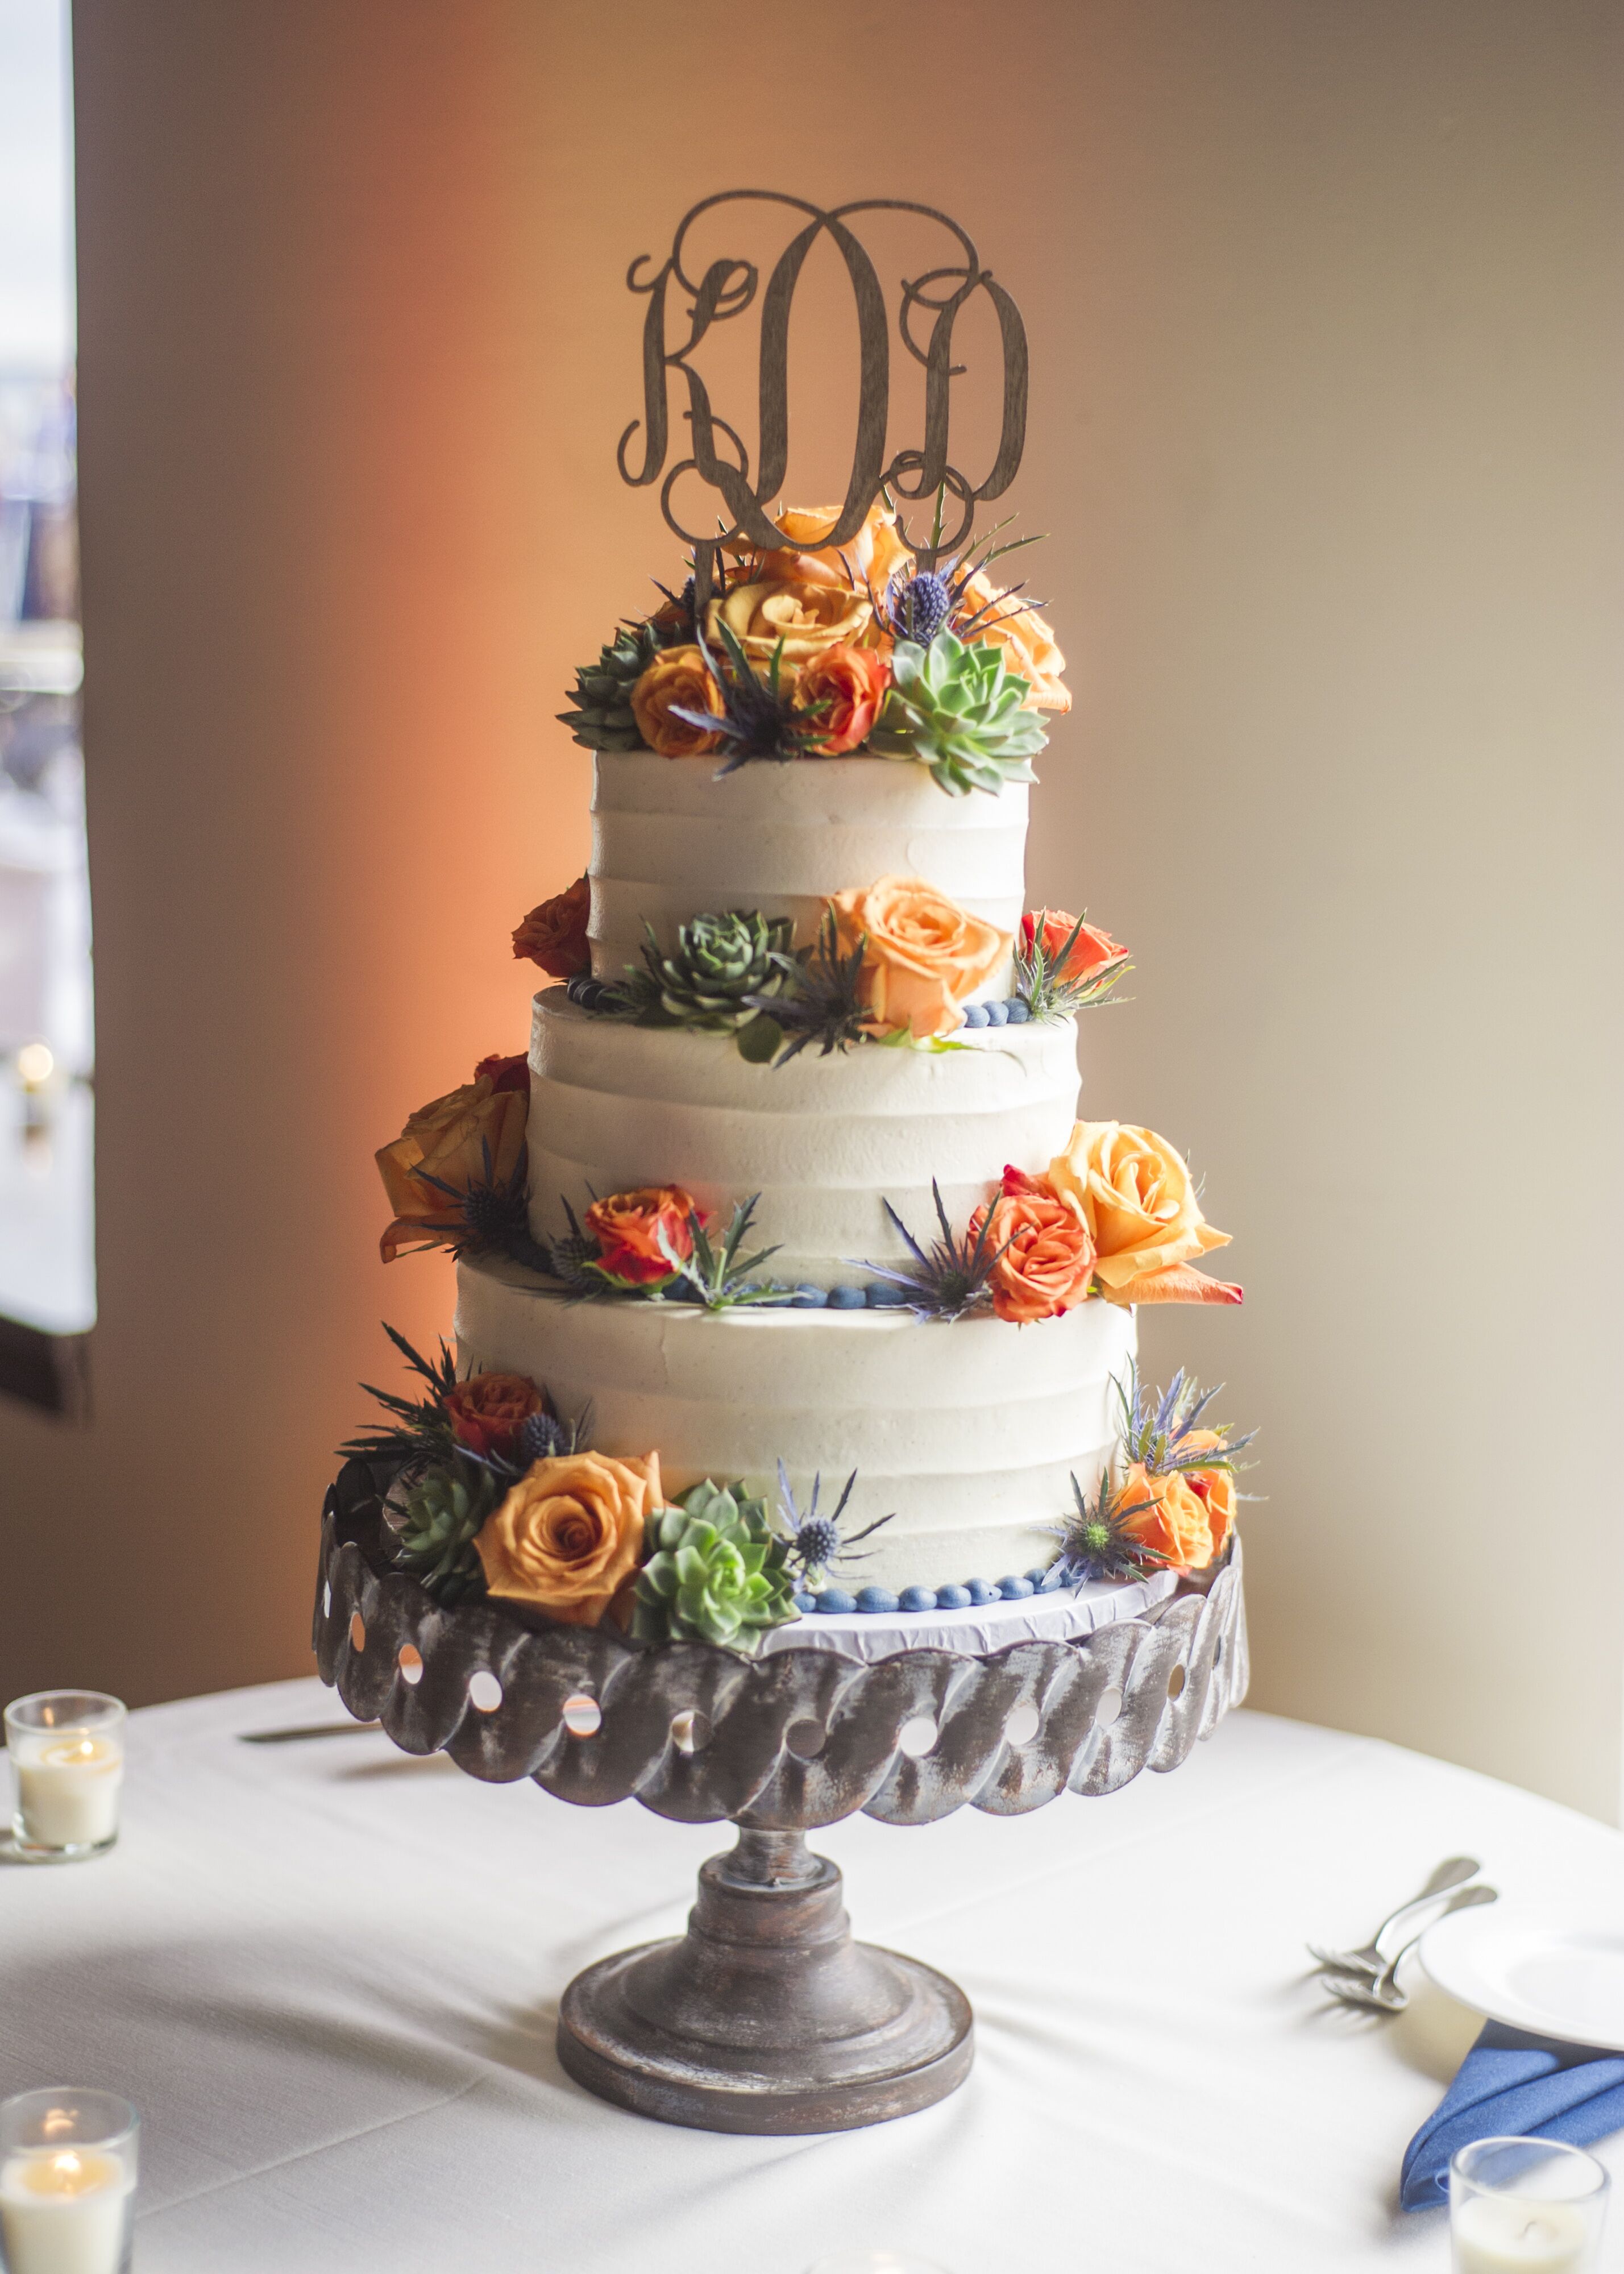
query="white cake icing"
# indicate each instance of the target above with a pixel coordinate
(669, 841)
(823, 1140)
(967, 1434)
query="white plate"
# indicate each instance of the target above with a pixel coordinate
(1556, 1974)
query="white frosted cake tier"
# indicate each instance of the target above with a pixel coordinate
(671, 841)
(824, 1140)
(967, 1434)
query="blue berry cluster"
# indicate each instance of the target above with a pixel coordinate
(589, 994)
(876, 1296)
(1014, 1012)
(835, 1601)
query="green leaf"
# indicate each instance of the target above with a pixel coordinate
(760, 1040)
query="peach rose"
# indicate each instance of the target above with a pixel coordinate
(806, 618)
(569, 1535)
(1092, 952)
(555, 934)
(1028, 642)
(1045, 1254)
(488, 1411)
(472, 1136)
(1190, 1513)
(849, 684)
(678, 677)
(1215, 1486)
(628, 1227)
(924, 954)
(1137, 1201)
(866, 563)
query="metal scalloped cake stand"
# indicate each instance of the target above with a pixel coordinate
(767, 2016)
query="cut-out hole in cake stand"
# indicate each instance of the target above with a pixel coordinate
(1021, 1726)
(485, 1691)
(1175, 1682)
(358, 1632)
(582, 1716)
(1109, 1709)
(917, 1735)
(690, 1732)
(806, 1739)
(409, 1661)
(327, 1599)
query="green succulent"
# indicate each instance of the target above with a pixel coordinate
(955, 708)
(445, 1507)
(715, 1571)
(602, 717)
(721, 962)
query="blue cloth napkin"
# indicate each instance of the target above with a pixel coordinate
(1511, 2085)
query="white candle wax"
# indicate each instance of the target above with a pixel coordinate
(67, 1789)
(1517, 2235)
(65, 2210)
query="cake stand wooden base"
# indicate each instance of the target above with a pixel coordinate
(766, 2017)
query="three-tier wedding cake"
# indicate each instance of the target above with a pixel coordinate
(794, 1296)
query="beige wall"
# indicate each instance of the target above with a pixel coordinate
(1324, 314)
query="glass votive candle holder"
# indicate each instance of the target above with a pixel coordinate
(1526, 2207)
(67, 2182)
(67, 1748)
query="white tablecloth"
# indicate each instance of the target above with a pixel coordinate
(329, 1975)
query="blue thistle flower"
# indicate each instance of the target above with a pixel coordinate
(542, 1438)
(814, 1543)
(917, 607)
(1094, 1539)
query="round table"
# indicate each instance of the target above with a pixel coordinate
(328, 1974)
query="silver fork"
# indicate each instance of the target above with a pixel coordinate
(1382, 1995)
(1454, 1871)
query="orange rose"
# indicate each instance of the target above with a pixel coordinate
(924, 954)
(850, 683)
(806, 618)
(1190, 1513)
(555, 934)
(488, 1411)
(1137, 1201)
(1092, 952)
(569, 1535)
(678, 677)
(1046, 1258)
(628, 1227)
(1028, 642)
(1215, 1486)
(472, 1136)
(868, 563)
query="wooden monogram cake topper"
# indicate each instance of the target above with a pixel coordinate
(718, 458)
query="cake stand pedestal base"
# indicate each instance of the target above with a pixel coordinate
(766, 2017)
